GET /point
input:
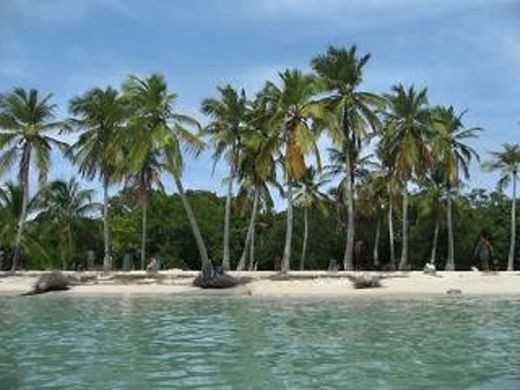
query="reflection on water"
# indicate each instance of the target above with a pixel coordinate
(113, 342)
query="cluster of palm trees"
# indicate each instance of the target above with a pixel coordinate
(135, 135)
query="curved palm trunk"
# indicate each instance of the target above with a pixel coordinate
(450, 263)
(286, 260)
(511, 257)
(435, 239)
(24, 177)
(348, 263)
(252, 250)
(107, 260)
(227, 218)
(143, 233)
(203, 253)
(391, 236)
(403, 264)
(376, 243)
(305, 237)
(250, 231)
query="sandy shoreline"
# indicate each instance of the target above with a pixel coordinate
(268, 284)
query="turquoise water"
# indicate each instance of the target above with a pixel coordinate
(58, 341)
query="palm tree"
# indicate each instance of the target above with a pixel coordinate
(25, 120)
(156, 135)
(405, 142)
(294, 112)
(453, 155)
(507, 162)
(309, 195)
(65, 203)
(227, 130)
(100, 115)
(341, 72)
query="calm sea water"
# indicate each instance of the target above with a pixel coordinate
(55, 341)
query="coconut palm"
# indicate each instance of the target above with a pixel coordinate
(100, 115)
(405, 138)
(454, 156)
(157, 137)
(309, 195)
(507, 162)
(353, 112)
(294, 112)
(226, 130)
(25, 120)
(66, 204)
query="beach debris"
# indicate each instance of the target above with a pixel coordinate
(474, 269)
(214, 277)
(454, 291)
(429, 268)
(365, 280)
(53, 281)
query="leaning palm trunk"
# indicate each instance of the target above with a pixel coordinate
(227, 218)
(206, 262)
(107, 261)
(23, 213)
(435, 239)
(305, 237)
(252, 250)
(511, 257)
(286, 260)
(403, 264)
(391, 236)
(143, 234)
(450, 262)
(348, 263)
(376, 243)
(250, 231)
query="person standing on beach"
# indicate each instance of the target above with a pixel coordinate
(483, 253)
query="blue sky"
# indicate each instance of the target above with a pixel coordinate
(467, 52)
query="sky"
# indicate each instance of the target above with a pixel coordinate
(466, 52)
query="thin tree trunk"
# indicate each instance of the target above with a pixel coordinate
(227, 218)
(242, 263)
(62, 252)
(286, 260)
(435, 239)
(143, 233)
(348, 263)
(511, 257)
(376, 243)
(69, 238)
(203, 253)
(391, 236)
(403, 264)
(305, 237)
(26, 160)
(107, 260)
(450, 263)
(252, 250)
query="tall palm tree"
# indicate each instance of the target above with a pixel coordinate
(157, 135)
(507, 162)
(100, 115)
(25, 120)
(65, 204)
(309, 195)
(294, 112)
(341, 73)
(405, 142)
(453, 155)
(226, 131)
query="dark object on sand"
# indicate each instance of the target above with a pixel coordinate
(365, 281)
(54, 281)
(214, 277)
(454, 291)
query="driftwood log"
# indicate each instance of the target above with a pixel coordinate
(365, 281)
(53, 281)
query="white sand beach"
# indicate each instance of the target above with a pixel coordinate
(270, 284)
